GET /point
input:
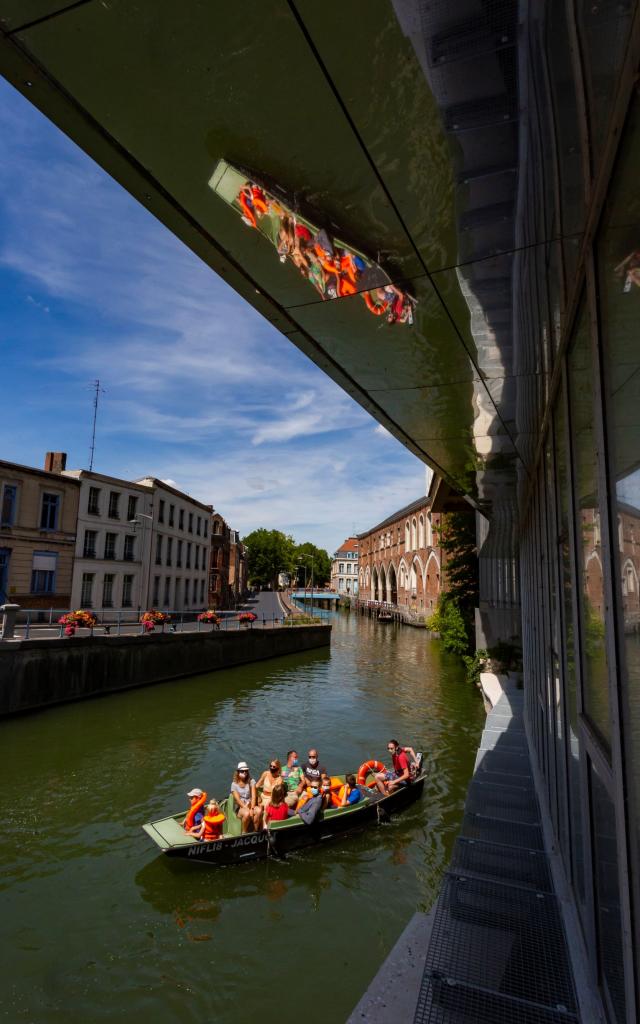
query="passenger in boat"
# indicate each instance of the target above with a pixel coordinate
(349, 794)
(387, 781)
(193, 821)
(268, 780)
(243, 794)
(293, 778)
(309, 791)
(312, 769)
(211, 828)
(325, 792)
(277, 809)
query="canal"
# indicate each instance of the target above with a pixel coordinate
(96, 925)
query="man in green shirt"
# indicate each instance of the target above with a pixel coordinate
(292, 775)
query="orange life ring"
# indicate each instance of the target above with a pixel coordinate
(366, 769)
(377, 308)
(191, 813)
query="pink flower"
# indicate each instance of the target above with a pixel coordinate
(70, 630)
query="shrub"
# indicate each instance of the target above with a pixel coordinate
(449, 621)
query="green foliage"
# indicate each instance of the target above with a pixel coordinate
(272, 552)
(475, 664)
(457, 538)
(321, 564)
(453, 626)
(302, 620)
(507, 656)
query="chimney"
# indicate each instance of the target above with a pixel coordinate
(55, 462)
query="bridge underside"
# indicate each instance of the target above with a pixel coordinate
(398, 128)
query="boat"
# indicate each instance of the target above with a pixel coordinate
(282, 837)
(385, 617)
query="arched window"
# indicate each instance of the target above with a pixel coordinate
(429, 537)
(407, 536)
(413, 534)
(421, 531)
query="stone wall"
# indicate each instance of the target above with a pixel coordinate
(38, 673)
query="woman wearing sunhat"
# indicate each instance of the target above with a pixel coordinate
(244, 796)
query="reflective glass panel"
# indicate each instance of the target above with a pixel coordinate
(607, 894)
(619, 288)
(595, 693)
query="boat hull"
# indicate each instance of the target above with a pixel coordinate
(292, 836)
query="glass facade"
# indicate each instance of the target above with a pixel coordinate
(580, 558)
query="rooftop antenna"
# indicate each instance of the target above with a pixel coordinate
(97, 389)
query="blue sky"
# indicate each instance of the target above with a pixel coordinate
(200, 390)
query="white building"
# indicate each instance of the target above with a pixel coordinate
(111, 559)
(180, 539)
(344, 568)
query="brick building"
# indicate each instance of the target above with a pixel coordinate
(38, 517)
(237, 568)
(400, 562)
(219, 560)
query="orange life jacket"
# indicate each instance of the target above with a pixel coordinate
(259, 200)
(193, 810)
(246, 209)
(213, 826)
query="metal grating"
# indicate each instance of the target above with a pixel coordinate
(523, 782)
(504, 741)
(506, 864)
(445, 1001)
(507, 833)
(500, 939)
(464, 117)
(509, 761)
(502, 802)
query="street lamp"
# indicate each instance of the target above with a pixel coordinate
(135, 522)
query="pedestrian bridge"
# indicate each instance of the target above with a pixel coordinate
(317, 595)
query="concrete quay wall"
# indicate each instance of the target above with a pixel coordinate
(35, 674)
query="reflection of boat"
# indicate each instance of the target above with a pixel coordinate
(333, 266)
(385, 617)
(282, 837)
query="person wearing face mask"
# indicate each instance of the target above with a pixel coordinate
(268, 780)
(313, 770)
(243, 794)
(293, 778)
(313, 789)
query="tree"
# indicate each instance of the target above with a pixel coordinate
(321, 563)
(270, 553)
(454, 616)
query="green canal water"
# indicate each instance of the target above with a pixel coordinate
(95, 925)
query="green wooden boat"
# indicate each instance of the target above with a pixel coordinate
(281, 837)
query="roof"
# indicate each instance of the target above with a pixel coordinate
(422, 502)
(89, 474)
(350, 544)
(37, 472)
(154, 482)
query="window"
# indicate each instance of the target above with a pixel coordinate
(110, 545)
(188, 561)
(181, 519)
(341, 567)
(340, 584)
(9, 500)
(156, 590)
(201, 591)
(114, 504)
(49, 511)
(89, 549)
(159, 549)
(167, 591)
(132, 507)
(176, 599)
(161, 511)
(172, 509)
(107, 590)
(43, 572)
(198, 525)
(191, 522)
(206, 528)
(127, 587)
(93, 503)
(407, 536)
(86, 598)
(421, 532)
(179, 554)
(169, 550)
(186, 592)
(129, 547)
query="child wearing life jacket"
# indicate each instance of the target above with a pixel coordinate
(212, 823)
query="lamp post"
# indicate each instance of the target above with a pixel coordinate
(135, 522)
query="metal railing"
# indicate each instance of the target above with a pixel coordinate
(41, 623)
